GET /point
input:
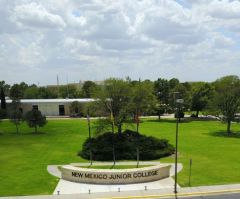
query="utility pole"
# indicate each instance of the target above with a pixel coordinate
(137, 149)
(113, 141)
(190, 172)
(176, 154)
(178, 101)
(90, 137)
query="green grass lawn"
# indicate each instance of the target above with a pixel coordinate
(114, 167)
(24, 158)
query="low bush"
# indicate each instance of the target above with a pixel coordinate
(126, 145)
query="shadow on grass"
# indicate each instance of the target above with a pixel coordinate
(33, 133)
(183, 120)
(110, 166)
(225, 134)
(27, 134)
(89, 166)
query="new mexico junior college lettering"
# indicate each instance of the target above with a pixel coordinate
(121, 176)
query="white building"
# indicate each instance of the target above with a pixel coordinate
(49, 107)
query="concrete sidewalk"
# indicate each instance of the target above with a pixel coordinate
(67, 187)
(156, 193)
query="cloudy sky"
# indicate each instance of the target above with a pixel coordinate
(94, 39)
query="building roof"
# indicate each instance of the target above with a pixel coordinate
(53, 100)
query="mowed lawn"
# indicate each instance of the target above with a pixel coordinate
(24, 158)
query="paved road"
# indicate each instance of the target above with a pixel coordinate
(222, 196)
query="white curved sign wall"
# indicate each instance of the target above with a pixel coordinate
(115, 176)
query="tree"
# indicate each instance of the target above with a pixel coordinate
(227, 98)
(88, 89)
(201, 97)
(160, 109)
(143, 99)
(77, 109)
(161, 87)
(15, 114)
(34, 119)
(49, 92)
(114, 98)
(3, 100)
(173, 83)
(3, 111)
(6, 87)
(23, 86)
(69, 91)
(2, 114)
(31, 93)
(17, 91)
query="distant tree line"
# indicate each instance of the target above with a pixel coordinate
(124, 99)
(25, 91)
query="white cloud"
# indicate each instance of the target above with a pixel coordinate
(221, 41)
(35, 15)
(95, 39)
(224, 9)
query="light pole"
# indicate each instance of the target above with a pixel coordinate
(178, 101)
(90, 137)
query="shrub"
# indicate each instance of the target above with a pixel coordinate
(125, 144)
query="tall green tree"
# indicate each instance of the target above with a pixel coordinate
(161, 87)
(88, 89)
(6, 87)
(3, 109)
(227, 98)
(15, 114)
(143, 99)
(173, 83)
(113, 98)
(17, 91)
(3, 100)
(31, 93)
(50, 92)
(69, 91)
(201, 97)
(35, 119)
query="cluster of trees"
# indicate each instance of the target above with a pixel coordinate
(25, 91)
(33, 118)
(123, 100)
